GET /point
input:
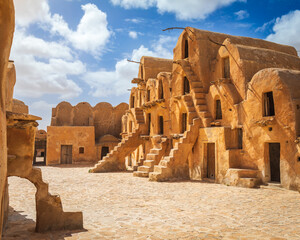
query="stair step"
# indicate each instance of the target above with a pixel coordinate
(144, 169)
(149, 163)
(198, 90)
(245, 173)
(151, 156)
(141, 174)
(163, 163)
(199, 95)
(205, 114)
(155, 150)
(200, 101)
(248, 182)
(196, 84)
(202, 107)
(159, 168)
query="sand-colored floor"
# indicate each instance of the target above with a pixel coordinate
(120, 206)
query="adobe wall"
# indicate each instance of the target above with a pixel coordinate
(104, 117)
(19, 107)
(281, 128)
(6, 35)
(75, 136)
(204, 48)
(10, 83)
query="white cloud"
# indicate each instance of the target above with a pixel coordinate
(133, 34)
(127, 4)
(242, 14)
(115, 83)
(134, 20)
(265, 26)
(286, 30)
(184, 10)
(43, 67)
(91, 34)
(30, 11)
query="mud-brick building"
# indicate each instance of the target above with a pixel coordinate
(82, 133)
(228, 110)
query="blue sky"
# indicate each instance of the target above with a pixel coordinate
(76, 50)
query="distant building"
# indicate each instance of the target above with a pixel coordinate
(83, 134)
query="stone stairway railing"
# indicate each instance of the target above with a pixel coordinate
(197, 92)
(115, 160)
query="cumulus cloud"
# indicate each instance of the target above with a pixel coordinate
(91, 34)
(183, 10)
(133, 34)
(242, 14)
(286, 30)
(44, 67)
(30, 11)
(115, 83)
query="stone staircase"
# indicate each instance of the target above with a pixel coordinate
(197, 91)
(242, 177)
(171, 166)
(152, 158)
(115, 160)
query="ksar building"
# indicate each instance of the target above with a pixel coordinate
(226, 108)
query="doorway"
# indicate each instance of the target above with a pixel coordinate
(211, 161)
(274, 157)
(66, 154)
(104, 151)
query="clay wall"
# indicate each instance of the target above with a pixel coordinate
(104, 117)
(10, 83)
(77, 137)
(280, 128)
(6, 36)
(19, 107)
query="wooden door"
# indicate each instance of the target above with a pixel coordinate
(211, 162)
(274, 156)
(66, 154)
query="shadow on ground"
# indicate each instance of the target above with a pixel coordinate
(19, 227)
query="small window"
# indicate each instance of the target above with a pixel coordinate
(149, 123)
(161, 125)
(160, 90)
(183, 122)
(186, 86)
(240, 138)
(132, 102)
(218, 109)
(186, 48)
(226, 68)
(148, 95)
(81, 150)
(269, 108)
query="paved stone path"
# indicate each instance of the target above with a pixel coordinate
(120, 206)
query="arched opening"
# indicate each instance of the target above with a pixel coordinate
(160, 90)
(218, 110)
(186, 48)
(186, 86)
(22, 205)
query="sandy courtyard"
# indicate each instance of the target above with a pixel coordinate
(120, 206)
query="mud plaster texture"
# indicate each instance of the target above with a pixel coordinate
(118, 206)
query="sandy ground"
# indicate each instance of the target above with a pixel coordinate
(120, 206)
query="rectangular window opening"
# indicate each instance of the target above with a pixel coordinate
(269, 108)
(218, 109)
